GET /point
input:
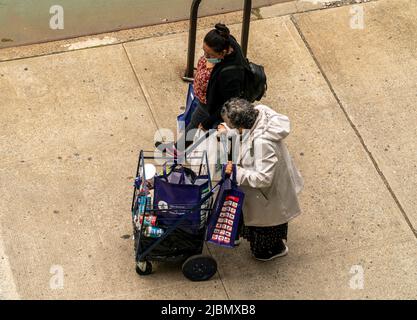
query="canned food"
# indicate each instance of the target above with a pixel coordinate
(149, 221)
(153, 232)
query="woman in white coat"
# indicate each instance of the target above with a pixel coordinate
(267, 175)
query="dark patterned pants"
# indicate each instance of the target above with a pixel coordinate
(263, 239)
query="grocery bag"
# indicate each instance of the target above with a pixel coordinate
(207, 142)
(176, 193)
(224, 221)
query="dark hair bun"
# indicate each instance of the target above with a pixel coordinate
(219, 38)
(222, 30)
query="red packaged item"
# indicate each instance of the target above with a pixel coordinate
(232, 198)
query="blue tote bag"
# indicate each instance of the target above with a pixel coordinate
(180, 191)
(184, 119)
(224, 222)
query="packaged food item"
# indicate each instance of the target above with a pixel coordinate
(149, 220)
(232, 199)
(153, 232)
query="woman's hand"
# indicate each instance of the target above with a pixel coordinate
(200, 126)
(221, 129)
(229, 168)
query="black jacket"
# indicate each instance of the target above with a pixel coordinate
(224, 85)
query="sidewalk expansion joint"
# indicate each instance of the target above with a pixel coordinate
(220, 277)
(355, 129)
(144, 91)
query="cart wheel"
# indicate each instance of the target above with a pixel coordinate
(144, 268)
(199, 268)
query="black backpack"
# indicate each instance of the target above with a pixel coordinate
(255, 85)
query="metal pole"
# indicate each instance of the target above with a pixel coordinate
(189, 72)
(245, 27)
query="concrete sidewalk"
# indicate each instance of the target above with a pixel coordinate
(72, 124)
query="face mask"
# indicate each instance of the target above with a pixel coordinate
(214, 60)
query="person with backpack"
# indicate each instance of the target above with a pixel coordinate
(227, 79)
(222, 73)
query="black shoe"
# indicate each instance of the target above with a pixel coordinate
(272, 254)
(238, 239)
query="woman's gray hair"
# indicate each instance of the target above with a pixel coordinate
(240, 112)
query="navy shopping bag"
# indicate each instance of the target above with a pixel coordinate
(184, 119)
(176, 193)
(224, 222)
